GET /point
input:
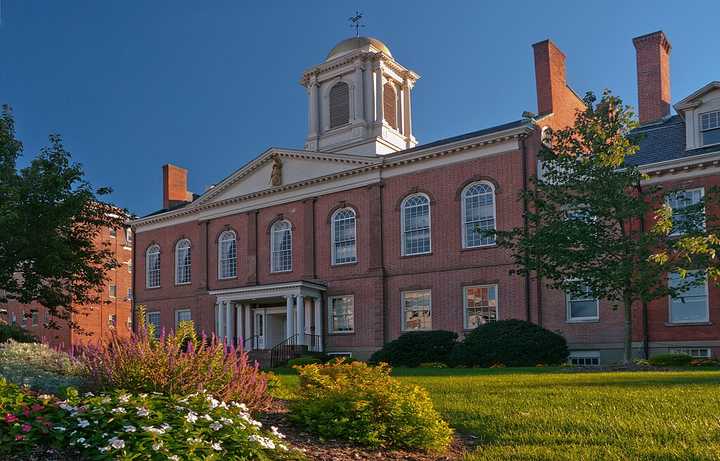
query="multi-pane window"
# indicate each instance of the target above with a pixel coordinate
(339, 104)
(152, 267)
(582, 305)
(341, 309)
(696, 352)
(480, 304)
(710, 127)
(416, 310)
(344, 237)
(182, 315)
(281, 246)
(153, 318)
(478, 213)
(690, 306)
(227, 255)
(113, 291)
(415, 220)
(183, 262)
(687, 213)
(585, 358)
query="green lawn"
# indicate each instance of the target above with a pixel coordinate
(555, 414)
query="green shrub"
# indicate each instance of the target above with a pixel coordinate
(365, 405)
(671, 360)
(302, 361)
(512, 343)
(433, 365)
(39, 366)
(16, 333)
(415, 347)
(26, 420)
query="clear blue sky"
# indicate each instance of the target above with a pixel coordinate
(132, 85)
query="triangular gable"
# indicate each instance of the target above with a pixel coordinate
(287, 167)
(696, 98)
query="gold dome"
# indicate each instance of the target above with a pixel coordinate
(356, 43)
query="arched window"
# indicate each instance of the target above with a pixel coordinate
(343, 236)
(227, 255)
(415, 223)
(339, 104)
(478, 214)
(281, 246)
(390, 104)
(183, 262)
(152, 266)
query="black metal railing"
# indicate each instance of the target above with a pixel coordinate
(253, 343)
(293, 347)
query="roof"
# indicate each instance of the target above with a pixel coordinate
(659, 142)
(356, 43)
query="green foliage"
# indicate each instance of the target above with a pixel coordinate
(365, 405)
(433, 365)
(415, 347)
(39, 367)
(16, 333)
(513, 343)
(26, 420)
(670, 360)
(50, 220)
(302, 361)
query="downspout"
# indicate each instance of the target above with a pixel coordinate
(132, 283)
(523, 148)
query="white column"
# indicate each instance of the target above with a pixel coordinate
(289, 312)
(368, 87)
(217, 319)
(379, 110)
(249, 326)
(318, 322)
(407, 109)
(313, 107)
(221, 321)
(357, 95)
(239, 322)
(228, 323)
(300, 321)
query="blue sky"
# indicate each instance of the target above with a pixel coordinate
(135, 84)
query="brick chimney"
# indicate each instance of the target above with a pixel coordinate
(553, 93)
(175, 186)
(653, 76)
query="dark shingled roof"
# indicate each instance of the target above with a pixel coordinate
(660, 141)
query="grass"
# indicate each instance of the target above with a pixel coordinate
(549, 414)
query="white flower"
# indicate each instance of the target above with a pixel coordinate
(164, 426)
(263, 441)
(89, 394)
(223, 405)
(142, 396)
(129, 428)
(216, 426)
(45, 396)
(174, 458)
(59, 428)
(118, 410)
(225, 420)
(213, 403)
(67, 407)
(276, 433)
(86, 445)
(208, 417)
(142, 412)
(83, 423)
(116, 443)
(154, 430)
(191, 417)
(124, 398)
(241, 406)
(103, 449)
(216, 446)
(157, 446)
(106, 400)
(80, 440)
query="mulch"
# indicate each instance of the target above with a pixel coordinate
(338, 450)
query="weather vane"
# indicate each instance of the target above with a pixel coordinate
(355, 20)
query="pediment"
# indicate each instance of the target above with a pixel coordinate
(279, 168)
(709, 92)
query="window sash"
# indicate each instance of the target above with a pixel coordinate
(153, 318)
(152, 263)
(681, 200)
(480, 305)
(182, 315)
(691, 306)
(227, 260)
(281, 251)
(344, 237)
(416, 310)
(342, 314)
(416, 226)
(183, 264)
(478, 213)
(582, 306)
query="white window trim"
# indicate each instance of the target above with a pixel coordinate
(402, 225)
(465, 302)
(570, 319)
(701, 131)
(463, 213)
(177, 315)
(402, 310)
(110, 291)
(690, 322)
(333, 254)
(330, 316)
(676, 233)
(189, 249)
(688, 349)
(147, 266)
(585, 355)
(220, 260)
(272, 246)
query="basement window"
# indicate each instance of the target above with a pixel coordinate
(696, 352)
(710, 128)
(585, 358)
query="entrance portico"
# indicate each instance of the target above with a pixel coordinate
(263, 316)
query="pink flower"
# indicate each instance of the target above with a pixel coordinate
(26, 427)
(19, 437)
(26, 411)
(10, 418)
(37, 407)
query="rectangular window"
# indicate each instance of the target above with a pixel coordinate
(182, 315)
(690, 306)
(35, 318)
(710, 128)
(112, 320)
(480, 303)
(113, 291)
(341, 309)
(113, 232)
(153, 318)
(129, 294)
(688, 215)
(13, 318)
(416, 310)
(582, 306)
(585, 358)
(128, 237)
(697, 352)
(130, 268)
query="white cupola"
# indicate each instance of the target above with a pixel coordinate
(359, 100)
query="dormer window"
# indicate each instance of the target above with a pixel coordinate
(710, 128)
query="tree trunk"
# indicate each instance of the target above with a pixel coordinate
(627, 356)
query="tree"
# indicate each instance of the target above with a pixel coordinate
(593, 225)
(50, 222)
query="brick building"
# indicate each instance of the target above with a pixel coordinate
(94, 322)
(365, 233)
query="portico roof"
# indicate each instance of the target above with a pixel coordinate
(258, 292)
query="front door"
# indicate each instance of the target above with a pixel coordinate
(260, 329)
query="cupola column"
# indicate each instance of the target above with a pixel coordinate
(357, 94)
(407, 109)
(313, 107)
(379, 112)
(368, 88)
